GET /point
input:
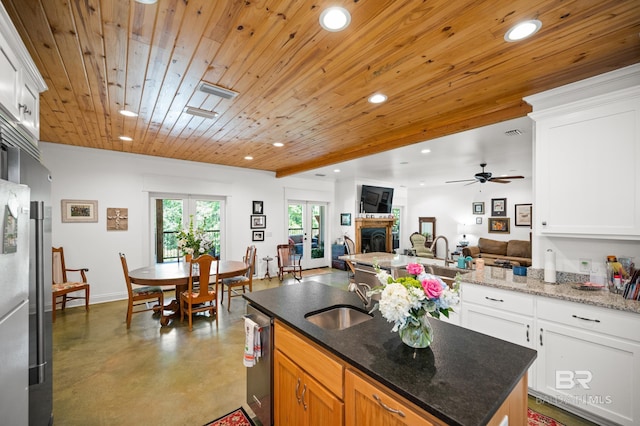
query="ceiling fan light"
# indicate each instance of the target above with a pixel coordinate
(201, 112)
(335, 19)
(523, 30)
(212, 89)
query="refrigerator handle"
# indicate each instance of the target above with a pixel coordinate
(37, 213)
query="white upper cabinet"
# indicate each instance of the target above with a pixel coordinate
(587, 158)
(20, 80)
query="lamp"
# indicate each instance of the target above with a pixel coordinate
(462, 230)
(212, 89)
(200, 112)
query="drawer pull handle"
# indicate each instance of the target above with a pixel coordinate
(386, 407)
(297, 389)
(255, 398)
(304, 390)
(527, 332)
(585, 319)
(495, 300)
(541, 338)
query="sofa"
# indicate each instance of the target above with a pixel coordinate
(517, 252)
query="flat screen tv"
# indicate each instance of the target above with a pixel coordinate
(376, 199)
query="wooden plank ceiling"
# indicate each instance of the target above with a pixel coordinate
(443, 64)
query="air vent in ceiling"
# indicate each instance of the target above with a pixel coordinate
(200, 112)
(212, 89)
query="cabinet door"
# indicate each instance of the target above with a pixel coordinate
(503, 325)
(29, 106)
(592, 371)
(286, 391)
(9, 79)
(320, 406)
(369, 404)
(593, 144)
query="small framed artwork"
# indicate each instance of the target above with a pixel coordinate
(498, 207)
(257, 236)
(258, 207)
(345, 219)
(258, 221)
(79, 210)
(478, 221)
(117, 219)
(478, 208)
(499, 225)
(523, 215)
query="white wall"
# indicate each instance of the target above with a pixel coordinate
(124, 180)
(452, 205)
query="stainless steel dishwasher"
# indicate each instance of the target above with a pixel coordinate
(260, 376)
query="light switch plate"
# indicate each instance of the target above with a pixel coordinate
(585, 266)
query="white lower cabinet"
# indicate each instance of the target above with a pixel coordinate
(493, 312)
(589, 357)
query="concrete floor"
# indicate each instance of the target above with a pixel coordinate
(105, 374)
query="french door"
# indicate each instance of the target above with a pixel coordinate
(308, 232)
(174, 212)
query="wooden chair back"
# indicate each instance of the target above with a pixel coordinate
(61, 286)
(288, 261)
(139, 296)
(199, 297)
(351, 246)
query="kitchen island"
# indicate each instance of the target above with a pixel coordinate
(463, 378)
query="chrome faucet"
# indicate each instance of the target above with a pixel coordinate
(362, 295)
(446, 248)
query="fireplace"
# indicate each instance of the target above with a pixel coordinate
(374, 235)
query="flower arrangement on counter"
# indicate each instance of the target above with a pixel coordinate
(194, 242)
(407, 301)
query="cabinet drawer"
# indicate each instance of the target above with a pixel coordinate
(310, 358)
(506, 300)
(588, 317)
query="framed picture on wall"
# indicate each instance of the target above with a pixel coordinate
(478, 208)
(258, 221)
(257, 236)
(523, 215)
(478, 221)
(79, 210)
(498, 207)
(345, 219)
(499, 225)
(258, 207)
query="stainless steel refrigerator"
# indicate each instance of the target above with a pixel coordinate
(28, 267)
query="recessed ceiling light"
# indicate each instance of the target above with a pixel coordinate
(335, 19)
(128, 113)
(336, 171)
(421, 183)
(147, 1)
(248, 157)
(126, 138)
(377, 98)
(523, 30)
(278, 144)
(425, 151)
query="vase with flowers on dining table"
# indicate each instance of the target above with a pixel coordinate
(193, 242)
(408, 301)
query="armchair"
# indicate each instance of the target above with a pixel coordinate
(419, 244)
(288, 261)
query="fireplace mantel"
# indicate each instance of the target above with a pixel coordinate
(386, 223)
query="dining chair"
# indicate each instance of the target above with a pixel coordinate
(199, 297)
(351, 250)
(288, 261)
(61, 286)
(240, 281)
(139, 295)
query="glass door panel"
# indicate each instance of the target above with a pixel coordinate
(307, 232)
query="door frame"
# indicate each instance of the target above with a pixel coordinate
(307, 262)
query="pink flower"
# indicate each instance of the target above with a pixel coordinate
(432, 288)
(415, 268)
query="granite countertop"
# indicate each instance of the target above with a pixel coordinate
(505, 279)
(459, 379)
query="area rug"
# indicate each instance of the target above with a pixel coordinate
(538, 419)
(317, 271)
(237, 417)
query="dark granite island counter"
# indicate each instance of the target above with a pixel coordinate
(462, 379)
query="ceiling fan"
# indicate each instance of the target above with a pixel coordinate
(483, 177)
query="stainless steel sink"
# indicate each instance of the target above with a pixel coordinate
(443, 272)
(338, 317)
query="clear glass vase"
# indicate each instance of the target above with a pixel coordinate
(417, 336)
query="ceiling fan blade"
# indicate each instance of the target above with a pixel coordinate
(470, 183)
(464, 180)
(509, 177)
(499, 181)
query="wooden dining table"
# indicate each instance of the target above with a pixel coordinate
(176, 274)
